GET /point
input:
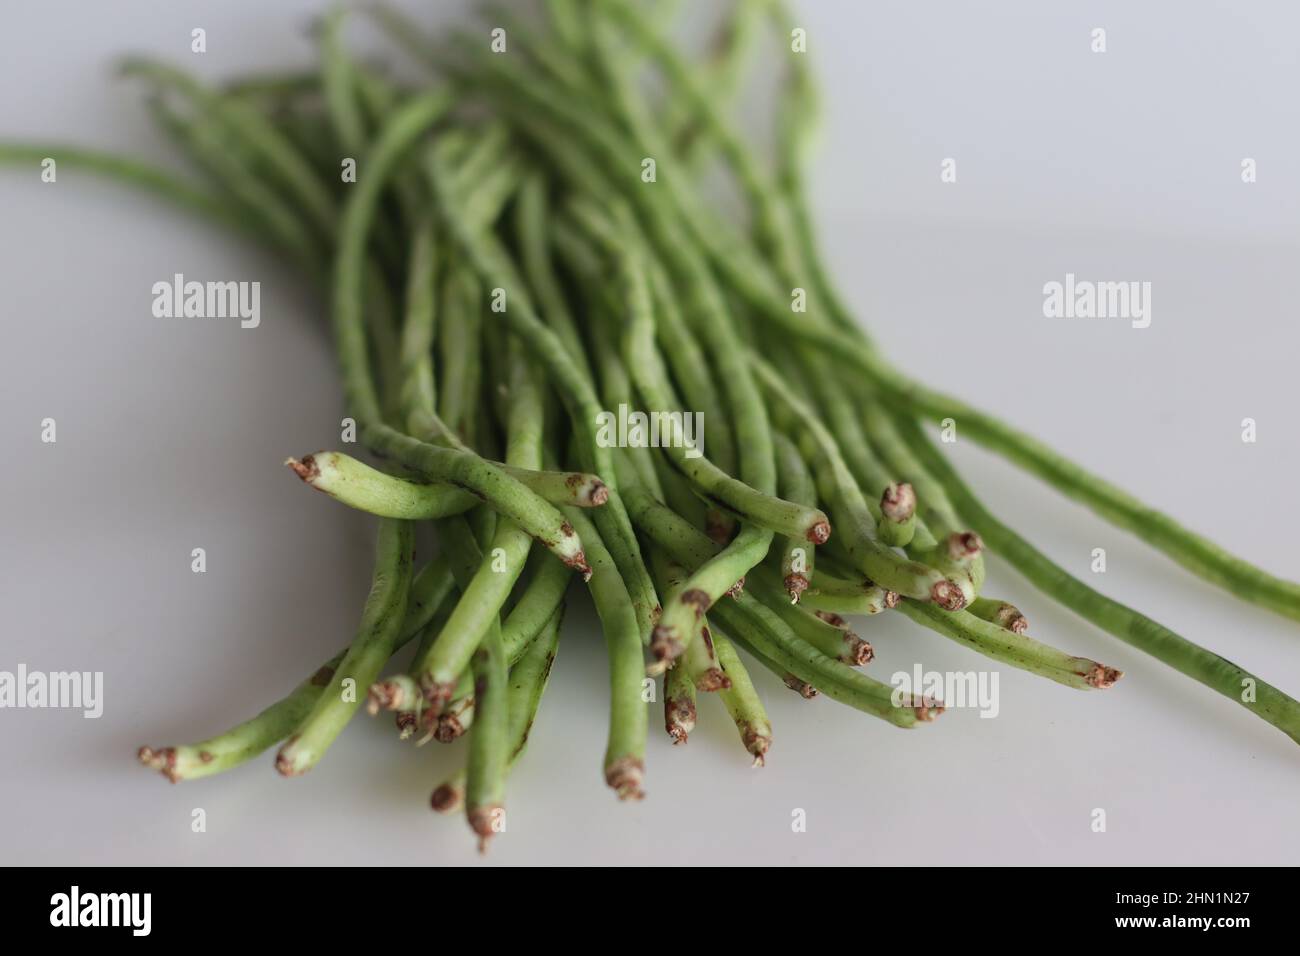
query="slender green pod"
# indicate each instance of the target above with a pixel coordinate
(743, 703)
(1017, 649)
(625, 752)
(359, 486)
(489, 741)
(679, 703)
(795, 482)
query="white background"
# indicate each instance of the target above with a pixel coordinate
(171, 434)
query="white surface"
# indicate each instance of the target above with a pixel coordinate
(171, 434)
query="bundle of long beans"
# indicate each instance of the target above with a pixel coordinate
(527, 245)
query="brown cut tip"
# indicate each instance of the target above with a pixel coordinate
(891, 599)
(447, 798)
(449, 728)
(407, 724)
(947, 594)
(795, 585)
(437, 696)
(926, 709)
(757, 742)
(306, 469)
(898, 502)
(1015, 622)
(384, 695)
(1102, 676)
(626, 775)
(679, 718)
(164, 761)
(599, 494)
(578, 561)
(820, 532)
(482, 820)
(804, 689)
(964, 545)
(857, 651)
(284, 759)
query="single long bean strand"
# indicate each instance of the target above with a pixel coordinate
(679, 704)
(459, 344)
(132, 172)
(625, 752)
(339, 84)
(489, 741)
(528, 677)
(743, 703)
(1017, 649)
(359, 486)
(795, 482)
(418, 390)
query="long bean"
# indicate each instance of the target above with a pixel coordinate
(536, 242)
